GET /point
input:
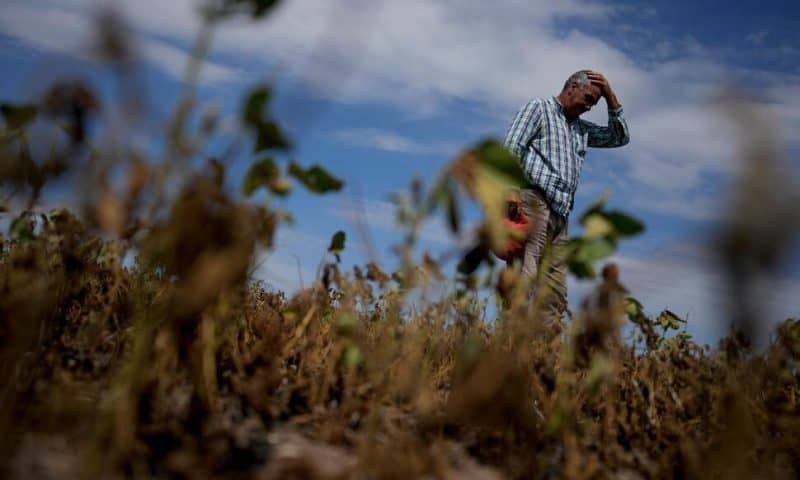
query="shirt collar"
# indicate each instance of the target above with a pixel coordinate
(560, 109)
(558, 104)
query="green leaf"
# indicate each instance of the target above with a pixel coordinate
(596, 225)
(280, 186)
(472, 259)
(634, 309)
(337, 242)
(494, 155)
(220, 9)
(443, 193)
(315, 178)
(600, 370)
(255, 104)
(583, 253)
(581, 269)
(400, 278)
(591, 251)
(453, 215)
(269, 135)
(624, 224)
(264, 173)
(262, 7)
(346, 324)
(18, 116)
(21, 228)
(633, 306)
(596, 207)
(437, 196)
(255, 115)
(58, 214)
(669, 320)
(352, 356)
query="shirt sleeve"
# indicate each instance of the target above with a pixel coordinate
(523, 128)
(614, 135)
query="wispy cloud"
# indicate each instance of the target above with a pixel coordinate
(756, 38)
(392, 142)
(172, 60)
(46, 28)
(478, 52)
(283, 272)
(67, 29)
(420, 56)
(696, 287)
(382, 215)
(701, 208)
(292, 263)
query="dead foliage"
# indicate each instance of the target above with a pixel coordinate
(180, 367)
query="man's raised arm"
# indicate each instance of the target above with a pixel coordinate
(616, 133)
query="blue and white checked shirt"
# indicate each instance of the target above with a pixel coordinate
(551, 149)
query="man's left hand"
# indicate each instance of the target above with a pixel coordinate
(601, 82)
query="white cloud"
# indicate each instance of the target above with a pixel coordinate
(693, 207)
(382, 215)
(421, 54)
(68, 27)
(293, 262)
(45, 28)
(673, 146)
(283, 272)
(172, 60)
(695, 287)
(410, 52)
(756, 38)
(418, 55)
(392, 142)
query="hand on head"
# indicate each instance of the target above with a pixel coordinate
(600, 81)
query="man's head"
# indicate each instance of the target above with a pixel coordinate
(579, 95)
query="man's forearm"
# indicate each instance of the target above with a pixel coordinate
(611, 101)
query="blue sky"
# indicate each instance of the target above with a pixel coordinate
(381, 91)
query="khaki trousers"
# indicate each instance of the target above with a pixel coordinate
(544, 262)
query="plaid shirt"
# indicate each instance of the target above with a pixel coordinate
(551, 149)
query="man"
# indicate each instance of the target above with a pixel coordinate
(550, 140)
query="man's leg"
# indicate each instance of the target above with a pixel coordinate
(538, 213)
(544, 264)
(557, 268)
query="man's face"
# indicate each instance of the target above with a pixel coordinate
(581, 99)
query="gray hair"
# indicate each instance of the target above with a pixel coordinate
(579, 78)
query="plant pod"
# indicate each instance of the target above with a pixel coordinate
(516, 222)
